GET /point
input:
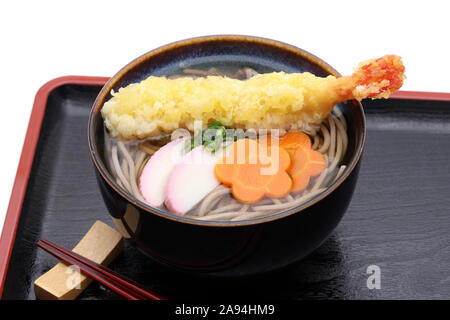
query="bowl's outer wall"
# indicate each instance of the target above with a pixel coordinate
(238, 250)
(230, 251)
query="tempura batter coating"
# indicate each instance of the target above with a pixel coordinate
(295, 101)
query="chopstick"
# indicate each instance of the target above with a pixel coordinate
(118, 283)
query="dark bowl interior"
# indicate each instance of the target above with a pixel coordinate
(233, 52)
(237, 248)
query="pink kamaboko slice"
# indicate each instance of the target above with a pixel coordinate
(191, 180)
(155, 175)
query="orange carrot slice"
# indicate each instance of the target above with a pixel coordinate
(293, 140)
(254, 172)
(305, 162)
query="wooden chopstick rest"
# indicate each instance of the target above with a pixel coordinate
(101, 244)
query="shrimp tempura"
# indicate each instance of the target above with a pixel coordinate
(295, 101)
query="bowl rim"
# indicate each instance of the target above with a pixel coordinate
(100, 99)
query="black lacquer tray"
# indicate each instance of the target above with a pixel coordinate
(398, 220)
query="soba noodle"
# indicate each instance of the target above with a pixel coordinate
(126, 161)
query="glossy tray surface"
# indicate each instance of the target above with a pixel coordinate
(398, 219)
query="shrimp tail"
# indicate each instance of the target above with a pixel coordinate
(376, 78)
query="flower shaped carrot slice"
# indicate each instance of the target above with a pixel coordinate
(305, 162)
(293, 140)
(254, 172)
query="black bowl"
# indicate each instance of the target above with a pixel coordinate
(226, 249)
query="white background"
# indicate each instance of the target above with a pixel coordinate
(42, 40)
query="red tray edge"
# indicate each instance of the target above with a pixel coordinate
(29, 147)
(25, 163)
(421, 95)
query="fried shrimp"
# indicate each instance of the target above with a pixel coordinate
(278, 100)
